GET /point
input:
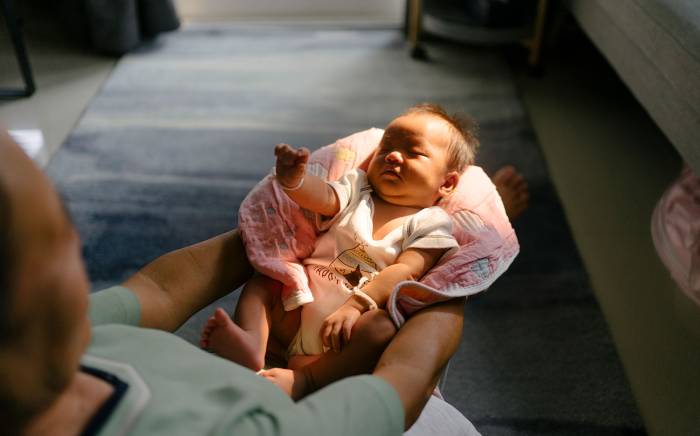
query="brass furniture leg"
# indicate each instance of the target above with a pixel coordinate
(415, 16)
(534, 44)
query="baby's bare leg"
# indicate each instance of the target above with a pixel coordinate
(512, 187)
(245, 341)
(370, 335)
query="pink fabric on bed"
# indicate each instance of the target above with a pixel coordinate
(278, 234)
(675, 230)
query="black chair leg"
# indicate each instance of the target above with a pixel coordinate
(13, 25)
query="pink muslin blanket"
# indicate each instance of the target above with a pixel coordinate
(278, 234)
(675, 230)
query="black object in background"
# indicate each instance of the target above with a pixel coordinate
(9, 12)
(116, 27)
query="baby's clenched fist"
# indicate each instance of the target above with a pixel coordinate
(291, 165)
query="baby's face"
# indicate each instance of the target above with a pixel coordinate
(410, 166)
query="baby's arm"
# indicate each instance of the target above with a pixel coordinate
(308, 191)
(412, 264)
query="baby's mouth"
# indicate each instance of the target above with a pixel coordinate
(391, 172)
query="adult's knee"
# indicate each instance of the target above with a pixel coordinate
(374, 328)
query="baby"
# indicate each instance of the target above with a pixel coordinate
(383, 227)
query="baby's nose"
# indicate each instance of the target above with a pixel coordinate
(394, 156)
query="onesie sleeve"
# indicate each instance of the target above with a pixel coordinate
(348, 189)
(429, 228)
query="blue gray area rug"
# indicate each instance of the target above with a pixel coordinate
(185, 127)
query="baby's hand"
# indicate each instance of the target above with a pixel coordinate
(336, 329)
(290, 165)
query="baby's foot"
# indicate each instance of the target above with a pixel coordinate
(222, 336)
(294, 383)
(512, 187)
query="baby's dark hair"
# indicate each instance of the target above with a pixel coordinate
(463, 142)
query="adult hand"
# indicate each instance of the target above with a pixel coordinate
(291, 165)
(336, 329)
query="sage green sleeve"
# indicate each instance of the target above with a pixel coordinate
(363, 405)
(356, 406)
(115, 305)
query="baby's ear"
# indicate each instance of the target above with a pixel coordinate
(450, 183)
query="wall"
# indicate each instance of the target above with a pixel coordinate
(371, 10)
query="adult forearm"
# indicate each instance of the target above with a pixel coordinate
(178, 284)
(415, 358)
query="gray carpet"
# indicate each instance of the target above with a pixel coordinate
(165, 153)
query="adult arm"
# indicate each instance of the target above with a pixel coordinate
(176, 285)
(419, 353)
(411, 364)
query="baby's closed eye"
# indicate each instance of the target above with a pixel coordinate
(417, 153)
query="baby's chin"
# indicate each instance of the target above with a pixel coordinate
(400, 196)
(388, 185)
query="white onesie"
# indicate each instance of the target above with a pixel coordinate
(347, 254)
